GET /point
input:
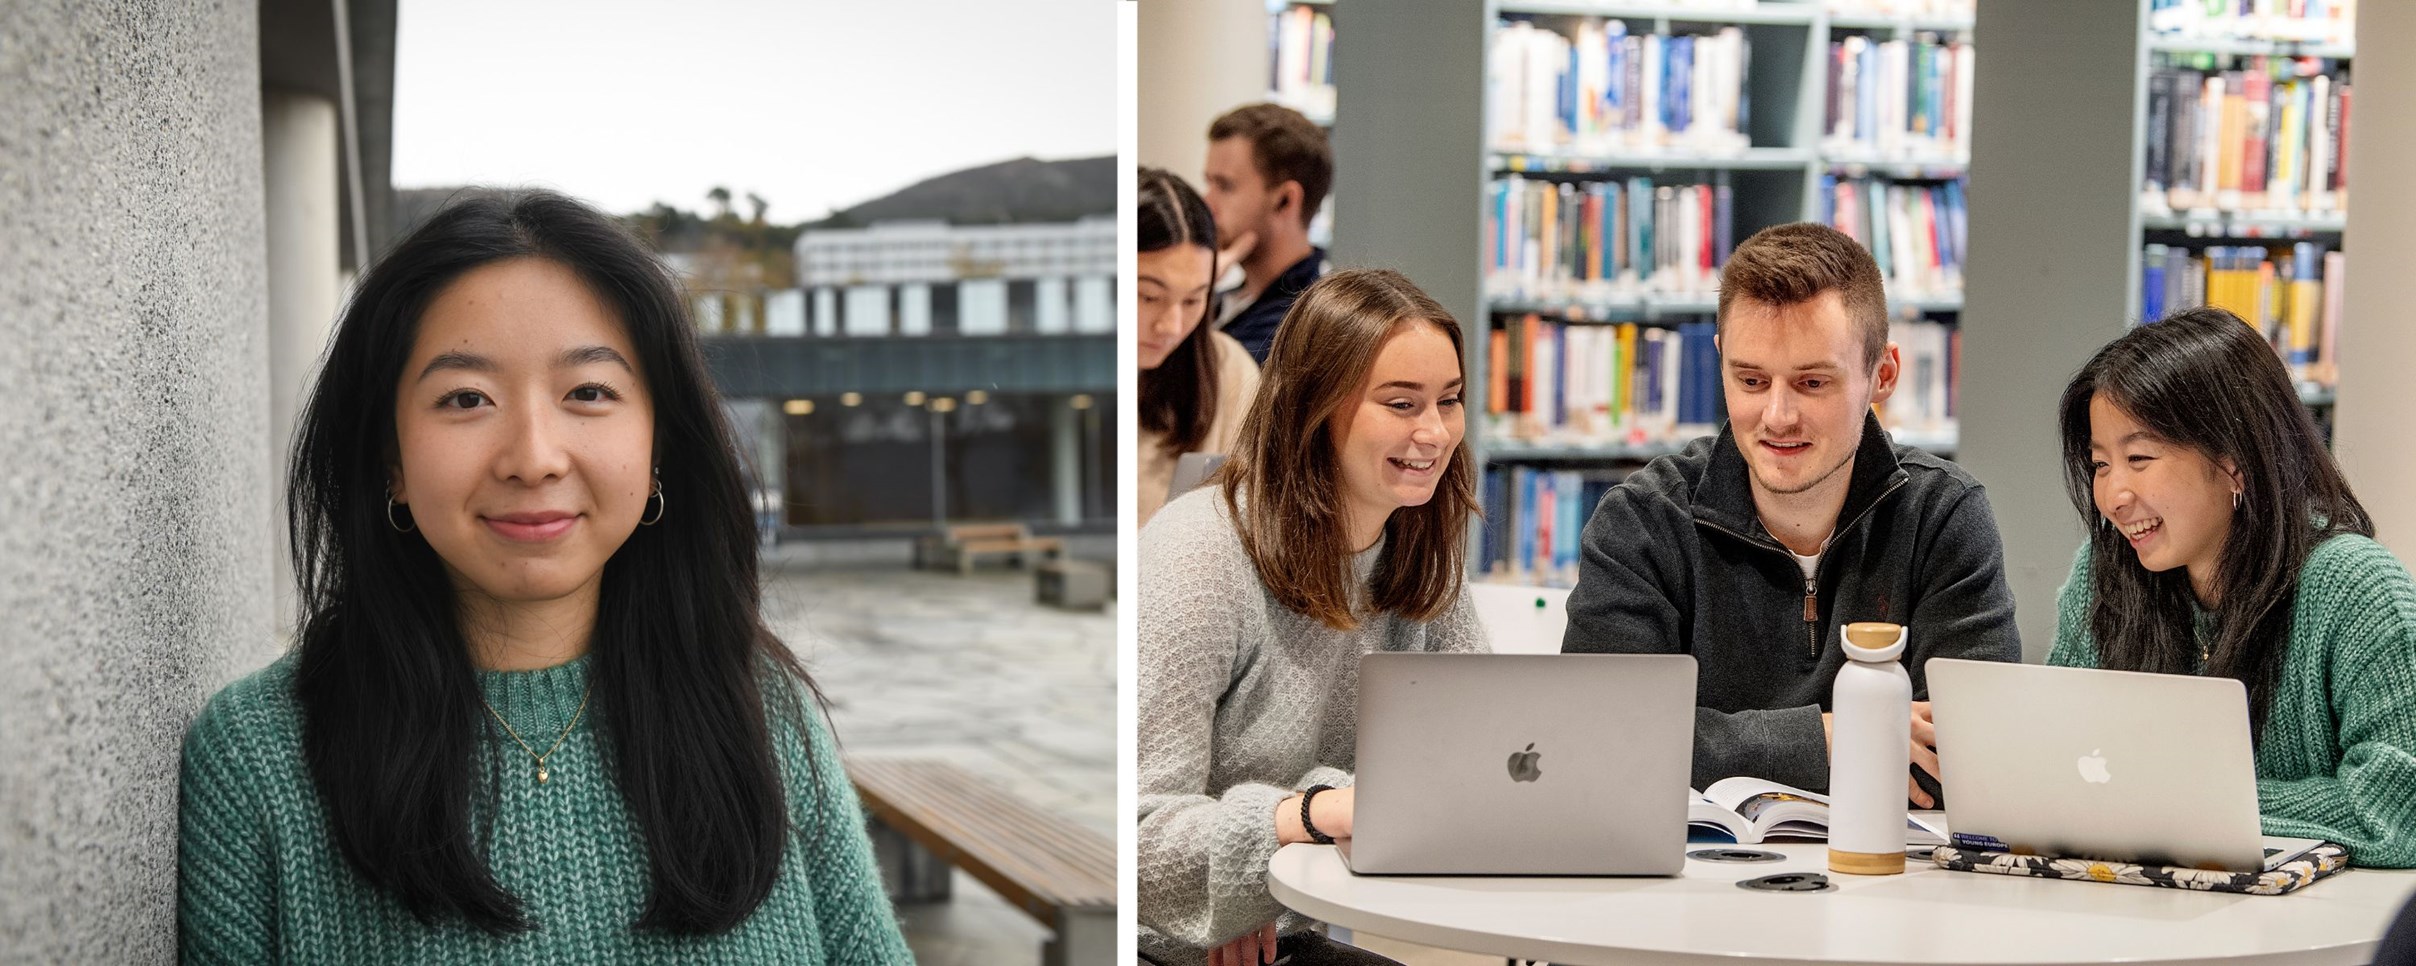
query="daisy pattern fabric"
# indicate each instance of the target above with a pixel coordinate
(2318, 863)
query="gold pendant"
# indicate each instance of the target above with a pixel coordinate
(541, 774)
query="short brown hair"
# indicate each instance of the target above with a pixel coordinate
(1792, 264)
(1285, 146)
(1283, 483)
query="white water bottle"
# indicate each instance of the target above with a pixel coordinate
(1870, 752)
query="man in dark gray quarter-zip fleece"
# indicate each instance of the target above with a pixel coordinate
(1750, 549)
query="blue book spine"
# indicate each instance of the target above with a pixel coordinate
(1566, 100)
(1615, 93)
(1681, 75)
(1640, 214)
(2151, 284)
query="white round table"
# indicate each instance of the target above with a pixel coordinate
(1927, 915)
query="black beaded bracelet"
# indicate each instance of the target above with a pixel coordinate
(1311, 827)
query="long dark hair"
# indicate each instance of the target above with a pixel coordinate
(684, 671)
(1178, 398)
(1285, 468)
(2203, 379)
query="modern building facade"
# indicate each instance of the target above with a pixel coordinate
(926, 373)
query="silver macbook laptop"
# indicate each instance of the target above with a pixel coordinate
(2116, 765)
(1523, 764)
(1191, 470)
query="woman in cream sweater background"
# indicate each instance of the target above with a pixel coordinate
(1196, 382)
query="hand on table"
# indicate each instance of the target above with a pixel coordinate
(1236, 249)
(1925, 750)
(1253, 948)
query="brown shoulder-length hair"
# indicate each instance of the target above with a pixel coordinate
(1284, 467)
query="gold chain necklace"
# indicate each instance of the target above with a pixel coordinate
(524, 745)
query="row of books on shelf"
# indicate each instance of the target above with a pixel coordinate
(1899, 99)
(1534, 519)
(1607, 90)
(1915, 230)
(1302, 59)
(2303, 21)
(1605, 239)
(2292, 295)
(2248, 139)
(1596, 387)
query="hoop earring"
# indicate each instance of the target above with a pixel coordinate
(398, 528)
(660, 505)
(2235, 501)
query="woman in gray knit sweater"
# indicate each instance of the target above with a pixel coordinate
(1336, 529)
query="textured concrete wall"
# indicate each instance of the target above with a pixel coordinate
(135, 490)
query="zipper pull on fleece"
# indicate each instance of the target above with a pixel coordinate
(1811, 601)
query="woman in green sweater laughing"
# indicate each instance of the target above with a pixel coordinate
(534, 714)
(2224, 541)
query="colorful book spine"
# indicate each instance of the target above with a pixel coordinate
(1602, 87)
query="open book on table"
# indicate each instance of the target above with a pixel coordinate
(1751, 809)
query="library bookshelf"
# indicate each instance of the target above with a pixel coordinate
(2243, 191)
(1610, 200)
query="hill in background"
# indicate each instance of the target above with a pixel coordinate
(1022, 190)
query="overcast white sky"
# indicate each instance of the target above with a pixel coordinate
(813, 104)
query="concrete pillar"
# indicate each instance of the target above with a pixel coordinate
(2376, 347)
(2054, 232)
(867, 310)
(1196, 60)
(137, 493)
(1065, 451)
(826, 311)
(914, 309)
(298, 159)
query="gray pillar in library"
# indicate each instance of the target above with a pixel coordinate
(1408, 147)
(134, 544)
(2369, 430)
(1196, 60)
(2054, 177)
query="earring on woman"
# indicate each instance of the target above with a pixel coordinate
(398, 528)
(655, 498)
(2235, 501)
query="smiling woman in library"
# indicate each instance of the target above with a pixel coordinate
(2224, 541)
(533, 712)
(1195, 381)
(1337, 529)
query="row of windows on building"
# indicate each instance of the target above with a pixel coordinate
(991, 306)
(931, 251)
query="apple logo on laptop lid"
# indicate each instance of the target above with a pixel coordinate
(1522, 764)
(2093, 768)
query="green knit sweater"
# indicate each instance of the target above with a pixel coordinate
(2337, 759)
(263, 881)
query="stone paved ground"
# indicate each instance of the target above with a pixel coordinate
(970, 670)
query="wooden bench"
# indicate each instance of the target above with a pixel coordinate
(930, 815)
(961, 544)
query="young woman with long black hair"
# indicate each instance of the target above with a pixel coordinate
(1195, 381)
(533, 712)
(1338, 528)
(2224, 541)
